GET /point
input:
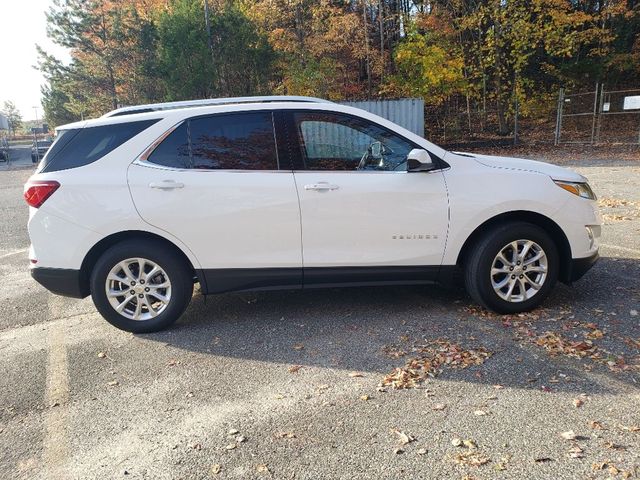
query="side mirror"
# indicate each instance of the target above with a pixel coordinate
(419, 160)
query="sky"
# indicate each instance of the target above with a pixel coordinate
(22, 25)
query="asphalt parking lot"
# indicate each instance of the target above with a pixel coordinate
(301, 384)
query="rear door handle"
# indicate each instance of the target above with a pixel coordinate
(166, 185)
(321, 186)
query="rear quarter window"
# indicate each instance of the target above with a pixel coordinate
(78, 147)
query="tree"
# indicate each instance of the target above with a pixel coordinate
(14, 118)
(238, 62)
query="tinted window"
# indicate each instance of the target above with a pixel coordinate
(331, 141)
(243, 141)
(90, 144)
(174, 150)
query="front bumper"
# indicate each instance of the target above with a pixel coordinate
(580, 266)
(61, 281)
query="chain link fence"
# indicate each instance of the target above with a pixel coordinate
(598, 117)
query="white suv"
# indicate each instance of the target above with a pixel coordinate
(269, 193)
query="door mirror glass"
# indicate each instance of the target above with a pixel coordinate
(419, 160)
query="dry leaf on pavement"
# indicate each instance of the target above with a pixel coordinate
(403, 437)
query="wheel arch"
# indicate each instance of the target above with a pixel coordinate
(548, 225)
(107, 242)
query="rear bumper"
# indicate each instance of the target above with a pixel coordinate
(61, 281)
(580, 266)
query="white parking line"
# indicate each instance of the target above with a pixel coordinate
(56, 446)
(624, 249)
(13, 253)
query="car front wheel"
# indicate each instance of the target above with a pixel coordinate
(512, 268)
(141, 286)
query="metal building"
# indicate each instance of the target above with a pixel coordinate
(406, 112)
(4, 122)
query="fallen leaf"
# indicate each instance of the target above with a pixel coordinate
(480, 413)
(295, 368)
(215, 469)
(471, 457)
(356, 374)
(365, 397)
(404, 438)
(430, 359)
(469, 444)
(262, 468)
(439, 407)
(632, 428)
(613, 446)
(596, 425)
(231, 446)
(595, 334)
(569, 435)
(575, 452)
(286, 435)
(577, 402)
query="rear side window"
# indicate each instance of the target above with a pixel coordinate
(77, 147)
(237, 141)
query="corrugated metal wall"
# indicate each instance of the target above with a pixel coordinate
(406, 112)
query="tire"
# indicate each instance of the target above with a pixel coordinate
(154, 314)
(483, 283)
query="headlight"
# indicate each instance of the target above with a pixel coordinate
(581, 189)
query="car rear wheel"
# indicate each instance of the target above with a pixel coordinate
(141, 286)
(512, 268)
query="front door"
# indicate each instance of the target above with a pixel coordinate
(364, 217)
(215, 184)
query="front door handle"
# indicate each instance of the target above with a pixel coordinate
(166, 185)
(321, 186)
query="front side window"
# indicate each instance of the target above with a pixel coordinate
(332, 141)
(236, 141)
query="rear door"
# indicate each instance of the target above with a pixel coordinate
(216, 184)
(364, 217)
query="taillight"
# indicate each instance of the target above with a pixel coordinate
(36, 192)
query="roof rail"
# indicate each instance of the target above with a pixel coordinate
(152, 107)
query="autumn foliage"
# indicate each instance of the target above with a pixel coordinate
(489, 51)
